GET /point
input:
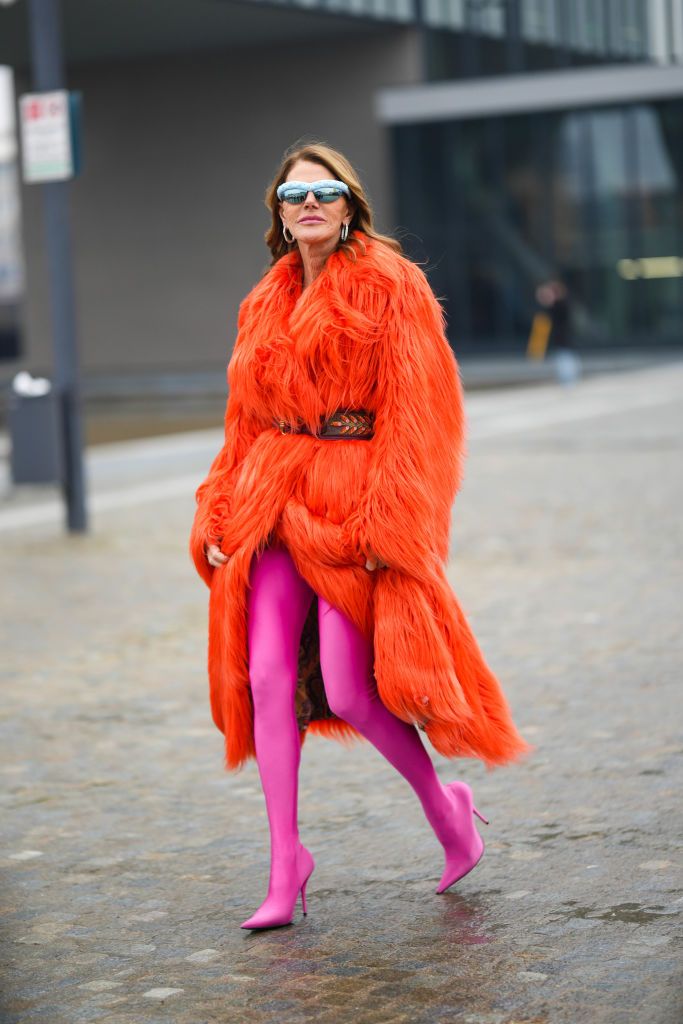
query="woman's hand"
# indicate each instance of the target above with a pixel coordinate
(375, 562)
(215, 556)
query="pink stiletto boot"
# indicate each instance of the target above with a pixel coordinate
(461, 858)
(278, 907)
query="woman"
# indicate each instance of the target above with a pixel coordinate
(322, 528)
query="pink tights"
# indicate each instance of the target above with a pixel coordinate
(278, 603)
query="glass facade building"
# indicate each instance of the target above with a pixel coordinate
(475, 37)
(497, 205)
(495, 198)
(482, 37)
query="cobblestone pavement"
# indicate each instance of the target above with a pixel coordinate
(129, 856)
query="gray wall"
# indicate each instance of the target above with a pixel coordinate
(168, 215)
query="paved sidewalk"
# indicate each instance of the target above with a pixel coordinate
(129, 856)
(119, 408)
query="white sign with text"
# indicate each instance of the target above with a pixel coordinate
(46, 136)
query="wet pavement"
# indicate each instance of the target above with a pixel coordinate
(129, 856)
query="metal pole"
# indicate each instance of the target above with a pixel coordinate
(48, 74)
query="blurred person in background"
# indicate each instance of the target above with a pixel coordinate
(553, 297)
(322, 528)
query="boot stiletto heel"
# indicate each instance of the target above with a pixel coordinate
(276, 911)
(464, 855)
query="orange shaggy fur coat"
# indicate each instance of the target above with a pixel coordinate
(365, 334)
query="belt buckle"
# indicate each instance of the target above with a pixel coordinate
(350, 423)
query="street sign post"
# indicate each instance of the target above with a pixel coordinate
(50, 156)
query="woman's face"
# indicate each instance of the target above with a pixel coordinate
(314, 223)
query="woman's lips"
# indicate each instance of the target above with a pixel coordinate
(311, 220)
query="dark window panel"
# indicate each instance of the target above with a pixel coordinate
(496, 205)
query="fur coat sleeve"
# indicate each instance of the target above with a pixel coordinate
(214, 494)
(418, 453)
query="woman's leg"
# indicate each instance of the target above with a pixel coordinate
(277, 604)
(346, 665)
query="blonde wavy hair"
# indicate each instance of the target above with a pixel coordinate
(339, 168)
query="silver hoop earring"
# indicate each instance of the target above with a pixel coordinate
(344, 234)
(285, 229)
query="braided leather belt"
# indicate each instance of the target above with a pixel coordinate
(354, 423)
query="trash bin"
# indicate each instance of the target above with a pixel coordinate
(34, 431)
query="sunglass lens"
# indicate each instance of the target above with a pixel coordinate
(295, 195)
(327, 194)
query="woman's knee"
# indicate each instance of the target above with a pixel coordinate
(347, 700)
(340, 704)
(272, 682)
(346, 665)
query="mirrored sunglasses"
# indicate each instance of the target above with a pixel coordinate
(325, 191)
